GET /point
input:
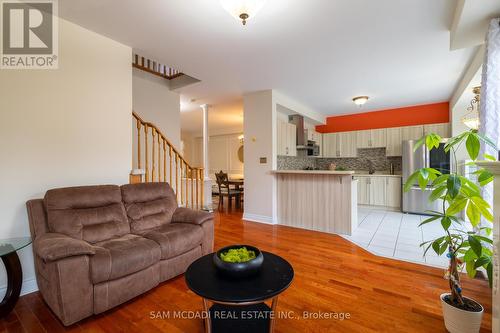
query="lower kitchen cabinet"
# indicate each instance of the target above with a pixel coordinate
(363, 190)
(377, 191)
(393, 192)
(382, 191)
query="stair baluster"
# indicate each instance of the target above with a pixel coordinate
(188, 186)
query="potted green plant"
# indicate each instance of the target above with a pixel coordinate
(466, 244)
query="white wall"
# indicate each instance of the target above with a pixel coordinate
(64, 127)
(222, 153)
(155, 103)
(260, 142)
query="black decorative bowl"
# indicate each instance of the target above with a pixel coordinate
(238, 269)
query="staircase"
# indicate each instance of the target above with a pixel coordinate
(155, 68)
(157, 160)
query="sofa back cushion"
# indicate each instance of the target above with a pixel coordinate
(148, 205)
(91, 213)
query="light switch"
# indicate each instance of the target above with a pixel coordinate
(263, 160)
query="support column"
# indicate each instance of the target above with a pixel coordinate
(206, 178)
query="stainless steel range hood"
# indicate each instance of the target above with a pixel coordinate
(298, 121)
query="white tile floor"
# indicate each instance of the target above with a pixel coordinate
(397, 235)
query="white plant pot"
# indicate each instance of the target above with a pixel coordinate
(460, 321)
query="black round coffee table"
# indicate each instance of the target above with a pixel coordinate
(239, 304)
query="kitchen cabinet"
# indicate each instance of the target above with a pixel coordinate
(337, 145)
(287, 139)
(371, 138)
(312, 135)
(382, 191)
(393, 192)
(363, 190)
(443, 130)
(347, 144)
(317, 137)
(394, 140)
(377, 191)
(319, 141)
(412, 132)
(330, 145)
(378, 137)
(363, 138)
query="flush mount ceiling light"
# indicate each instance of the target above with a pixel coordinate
(360, 100)
(242, 9)
(471, 118)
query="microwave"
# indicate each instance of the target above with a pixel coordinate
(313, 150)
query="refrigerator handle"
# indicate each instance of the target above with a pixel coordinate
(427, 158)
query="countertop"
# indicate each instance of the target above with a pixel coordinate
(376, 174)
(314, 172)
(357, 173)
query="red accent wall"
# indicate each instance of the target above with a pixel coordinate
(406, 116)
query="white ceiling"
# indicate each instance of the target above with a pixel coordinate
(319, 52)
(223, 118)
(471, 20)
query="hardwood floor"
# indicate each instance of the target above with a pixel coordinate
(331, 275)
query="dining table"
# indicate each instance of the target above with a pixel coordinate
(236, 182)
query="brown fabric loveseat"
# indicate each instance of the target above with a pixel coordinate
(96, 247)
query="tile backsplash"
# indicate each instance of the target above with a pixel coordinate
(296, 163)
(375, 155)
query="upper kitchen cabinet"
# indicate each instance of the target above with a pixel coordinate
(347, 144)
(412, 132)
(364, 138)
(287, 139)
(339, 145)
(378, 138)
(443, 130)
(393, 147)
(312, 135)
(371, 138)
(331, 145)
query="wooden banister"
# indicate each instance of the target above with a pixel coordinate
(155, 68)
(157, 149)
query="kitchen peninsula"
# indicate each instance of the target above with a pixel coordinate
(320, 200)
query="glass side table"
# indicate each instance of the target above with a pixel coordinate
(8, 252)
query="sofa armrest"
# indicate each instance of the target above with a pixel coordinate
(54, 246)
(186, 215)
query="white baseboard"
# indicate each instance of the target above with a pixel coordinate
(29, 286)
(258, 218)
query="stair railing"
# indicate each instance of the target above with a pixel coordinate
(162, 162)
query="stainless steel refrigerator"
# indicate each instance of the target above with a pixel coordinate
(416, 200)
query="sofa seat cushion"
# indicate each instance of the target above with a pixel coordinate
(89, 213)
(118, 257)
(176, 238)
(148, 205)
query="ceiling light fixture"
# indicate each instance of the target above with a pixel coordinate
(471, 118)
(360, 100)
(242, 9)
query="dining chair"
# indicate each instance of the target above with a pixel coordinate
(225, 190)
